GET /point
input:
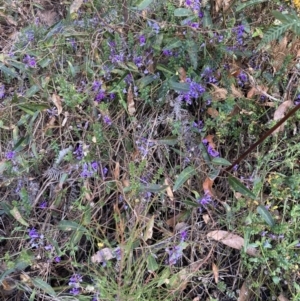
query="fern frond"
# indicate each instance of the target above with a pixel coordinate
(274, 33)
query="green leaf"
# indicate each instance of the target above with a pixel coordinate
(21, 143)
(31, 108)
(221, 161)
(67, 225)
(144, 4)
(238, 186)
(33, 90)
(44, 286)
(265, 214)
(192, 50)
(207, 21)
(153, 187)
(184, 176)
(8, 71)
(182, 12)
(248, 3)
(17, 215)
(274, 33)
(164, 69)
(173, 44)
(284, 18)
(145, 81)
(167, 140)
(151, 263)
(179, 87)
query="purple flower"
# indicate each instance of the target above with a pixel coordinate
(2, 91)
(205, 200)
(212, 152)
(57, 259)
(95, 166)
(138, 61)
(96, 85)
(112, 96)
(29, 61)
(33, 233)
(10, 155)
(78, 152)
(154, 26)
(242, 79)
(75, 291)
(43, 205)
(167, 52)
(142, 40)
(175, 254)
(117, 252)
(48, 247)
(183, 235)
(86, 172)
(100, 95)
(107, 120)
(75, 279)
(239, 31)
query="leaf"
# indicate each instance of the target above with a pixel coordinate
(184, 176)
(75, 6)
(32, 108)
(130, 101)
(173, 44)
(152, 265)
(149, 230)
(207, 187)
(182, 75)
(182, 12)
(212, 112)
(57, 102)
(220, 161)
(258, 90)
(44, 286)
(146, 80)
(245, 293)
(32, 91)
(280, 113)
(67, 225)
(284, 18)
(236, 92)
(8, 72)
(218, 93)
(239, 187)
(215, 270)
(281, 297)
(248, 3)
(102, 255)
(231, 240)
(179, 87)
(144, 4)
(274, 33)
(192, 50)
(17, 215)
(265, 214)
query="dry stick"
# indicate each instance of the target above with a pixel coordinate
(267, 134)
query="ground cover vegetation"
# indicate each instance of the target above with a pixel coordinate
(120, 122)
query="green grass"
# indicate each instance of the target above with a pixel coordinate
(116, 126)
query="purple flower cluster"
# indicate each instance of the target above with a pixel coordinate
(208, 75)
(10, 155)
(297, 99)
(89, 169)
(29, 61)
(242, 79)
(154, 26)
(239, 31)
(74, 283)
(176, 252)
(142, 40)
(2, 91)
(196, 90)
(79, 152)
(212, 152)
(143, 145)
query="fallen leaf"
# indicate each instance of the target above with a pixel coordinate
(218, 93)
(75, 6)
(102, 255)
(17, 215)
(169, 189)
(57, 102)
(245, 293)
(236, 92)
(280, 112)
(212, 112)
(281, 297)
(182, 75)
(210, 141)
(130, 101)
(258, 90)
(206, 218)
(215, 270)
(149, 230)
(171, 222)
(231, 240)
(207, 187)
(181, 227)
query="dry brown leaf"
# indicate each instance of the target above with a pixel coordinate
(149, 230)
(210, 141)
(236, 92)
(181, 226)
(207, 187)
(245, 293)
(169, 189)
(102, 255)
(215, 270)
(117, 171)
(218, 93)
(280, 112)
(231, 240)
(206, 218)
(281, 297)
(75, 6)
(171, 222)
(212, 112)
(182, 75)
(256, 91)
(130, 101)
(57, 102)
